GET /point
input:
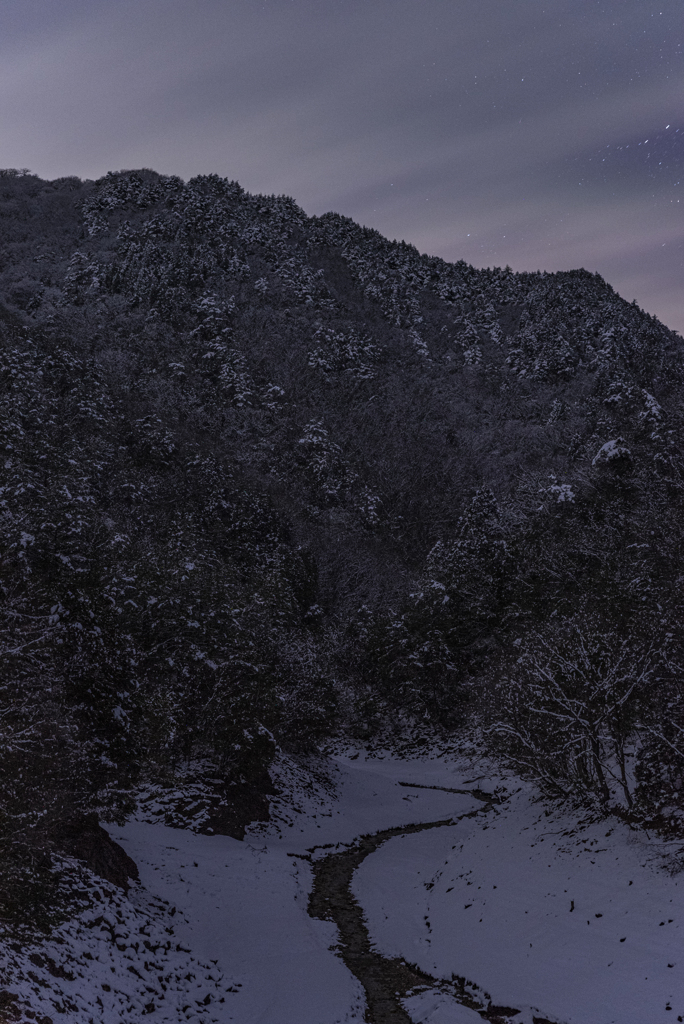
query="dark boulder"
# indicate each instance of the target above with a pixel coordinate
(83, 837)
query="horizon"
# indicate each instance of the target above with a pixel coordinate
(540, 138)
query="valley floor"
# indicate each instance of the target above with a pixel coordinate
(578, 923)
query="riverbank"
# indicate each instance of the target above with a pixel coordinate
(504, 907)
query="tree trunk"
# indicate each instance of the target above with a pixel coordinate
(604, 792)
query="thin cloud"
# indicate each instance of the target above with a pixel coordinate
(472, 129)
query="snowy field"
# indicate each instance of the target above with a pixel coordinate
(580, 924)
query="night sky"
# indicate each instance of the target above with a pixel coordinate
(543, 135)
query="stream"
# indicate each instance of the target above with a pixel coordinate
(388, 980)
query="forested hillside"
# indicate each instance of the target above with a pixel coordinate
(269, 478)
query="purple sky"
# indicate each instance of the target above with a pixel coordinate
(545, 135)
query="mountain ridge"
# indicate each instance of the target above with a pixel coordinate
(270, 477)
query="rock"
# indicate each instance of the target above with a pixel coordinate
(83, 837)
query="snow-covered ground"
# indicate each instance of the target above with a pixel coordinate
(582, 923)
(246, 902)
(552, 918)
